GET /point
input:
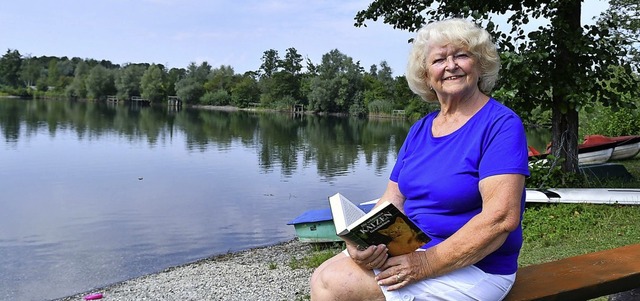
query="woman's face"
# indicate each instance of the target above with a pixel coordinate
(451, 70)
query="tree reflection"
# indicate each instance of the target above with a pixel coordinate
(281, 141)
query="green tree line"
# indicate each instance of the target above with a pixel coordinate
(549, 75)
(338, 84)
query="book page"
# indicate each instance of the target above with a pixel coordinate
(351, 212)
(344, 212)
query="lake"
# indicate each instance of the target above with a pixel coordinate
(97, 193)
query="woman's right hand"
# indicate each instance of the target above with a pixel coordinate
(370, 258)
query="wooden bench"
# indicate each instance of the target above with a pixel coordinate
(580, 277)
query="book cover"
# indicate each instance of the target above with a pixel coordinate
(384, 224)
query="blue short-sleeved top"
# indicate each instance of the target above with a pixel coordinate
(439, 176)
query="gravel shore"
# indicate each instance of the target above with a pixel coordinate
(256, 274)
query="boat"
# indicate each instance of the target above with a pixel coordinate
(626, 147)
(621, 196)
(599, 149)
(594, 155)
(317, 226)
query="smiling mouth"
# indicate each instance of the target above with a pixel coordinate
(453, 77)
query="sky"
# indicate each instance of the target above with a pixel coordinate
(176, 33)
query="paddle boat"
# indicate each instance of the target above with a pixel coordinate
(317, 226)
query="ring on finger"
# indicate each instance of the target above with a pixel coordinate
(398, 278)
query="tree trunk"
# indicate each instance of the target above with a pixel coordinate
(564, 137)
(564, 130)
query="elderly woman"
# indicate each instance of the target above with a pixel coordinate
(459, 175)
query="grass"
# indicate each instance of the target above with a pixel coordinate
(320, 253)
(555, 231)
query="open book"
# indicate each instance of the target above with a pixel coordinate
(384, 224)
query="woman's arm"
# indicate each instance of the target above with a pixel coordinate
(393, 195)
(482, 235)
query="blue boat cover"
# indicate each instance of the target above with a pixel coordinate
(320, 215)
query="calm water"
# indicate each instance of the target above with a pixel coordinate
(92, 193)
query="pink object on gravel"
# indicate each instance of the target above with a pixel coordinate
(95, 296)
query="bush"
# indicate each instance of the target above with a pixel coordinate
(284, 103)
(610, 121)
(548, 173)
(216, 98)
(15, 91)
(380, 106)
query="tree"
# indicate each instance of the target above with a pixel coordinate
(61, 75)
(191, 87)
(53, 74)
(622, 18)
(30, 71)
(270, 62)
(78, 88)
(174, 75)
(189, 90)
(99, 83)
(244, 92)
(559, 66)
(280, 84)
(280, 80)
(379, 85)
(127, 80)
(339, 84)
(291, 62)
(10, 68)
(152, 84)
(220, 79)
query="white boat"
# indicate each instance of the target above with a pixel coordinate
(622, 196)
(626, 151)
(624, 147)
(595, 157)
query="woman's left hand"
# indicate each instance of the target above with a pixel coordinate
(399, 271)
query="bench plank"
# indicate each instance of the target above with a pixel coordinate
(580, 277)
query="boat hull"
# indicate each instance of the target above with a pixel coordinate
(626, 151)
(625, 147)
(598, 149)
(595, 157)
(316, 232)
(316, 226)
(585, 195)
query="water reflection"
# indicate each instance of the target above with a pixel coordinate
(539, 138)
(95, 193)
(334, 144)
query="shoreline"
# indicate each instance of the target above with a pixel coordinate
(263, 273)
